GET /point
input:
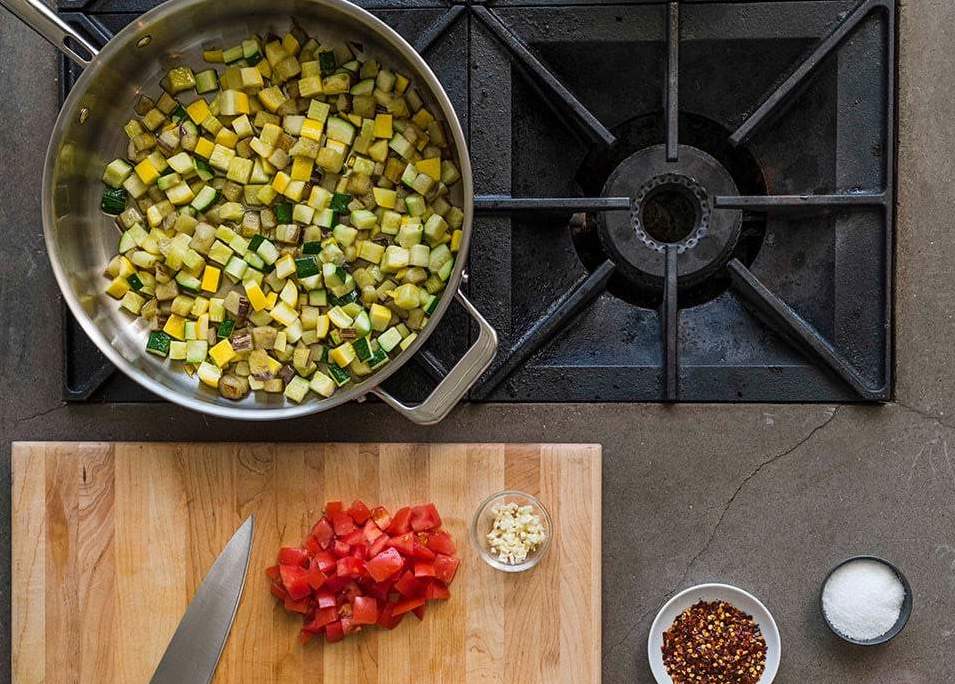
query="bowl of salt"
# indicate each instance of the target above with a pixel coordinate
(866, 600)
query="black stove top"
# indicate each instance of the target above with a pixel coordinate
(677, 201)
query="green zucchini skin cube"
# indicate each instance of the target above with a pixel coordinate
(158, 343)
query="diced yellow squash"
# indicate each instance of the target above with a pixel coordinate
(310, 86)
(132, 302)
(280, 182)
(175, 327)
(385, 198)
(210, 279)
(380, 317)
(255, 295)
(204, 147)
(294, 190)
(233, 103)
(222, 353)
(312, 129)
(209, 374)
(239, 170)
(383, 126)
(302, 168)
(456, 240)
(291, 44)
(198, 111)
(430, 167)
(342, 355)
(266, 194)
(401, 84)
(147, 172)
(227, 137)
(321, 327)
(271, 98)
(422, 118)
(270, 299)
(118, 287)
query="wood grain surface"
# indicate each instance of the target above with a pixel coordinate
(110, 542)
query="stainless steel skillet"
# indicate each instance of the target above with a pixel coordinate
(80, 239)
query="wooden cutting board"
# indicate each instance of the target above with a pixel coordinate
(110, 542)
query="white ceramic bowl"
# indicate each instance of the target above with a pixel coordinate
(743, 600)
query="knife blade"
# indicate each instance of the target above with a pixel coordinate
(195, 648)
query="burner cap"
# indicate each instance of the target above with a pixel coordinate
(671, 204)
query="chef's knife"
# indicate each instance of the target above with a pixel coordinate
(194, 650)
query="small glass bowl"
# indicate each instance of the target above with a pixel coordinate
(483, 521)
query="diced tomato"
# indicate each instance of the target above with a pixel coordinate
(422, 569)
(419, 550)
(325, 560)
(437, 590)
(386, 618)
(289, 555)
(334, 632)
(300, 606)
(441, 542)
(400, 522)
(359, 512)
(371, 531)
(323, 616)
(295, 581)
(336, 583)
(349, 566)
(425, 517)
(365, 610)
(362, 567)
(278, 591)
(403, 543)
(312, 545)
(342, 523)
(354, 537)
(323, 533)
(409, 586)
(402, 607)
(378, 546)
(445, 567)
(381, 516)
(381, 590)
(349, 626)
(316, 577)
(385, 564)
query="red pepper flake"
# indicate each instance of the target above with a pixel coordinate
(714, 642)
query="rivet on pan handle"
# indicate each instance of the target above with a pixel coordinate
(456, 383)
(41, 19)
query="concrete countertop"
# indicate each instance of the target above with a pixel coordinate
(767, 497)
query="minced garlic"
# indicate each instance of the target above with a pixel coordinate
(516, 533)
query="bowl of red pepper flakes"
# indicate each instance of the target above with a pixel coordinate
(714, 633)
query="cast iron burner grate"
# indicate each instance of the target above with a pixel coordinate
(703, 211)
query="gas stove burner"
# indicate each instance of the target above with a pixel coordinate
(671, 209)
(671, 204)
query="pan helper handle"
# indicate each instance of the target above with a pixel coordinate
(456, 384)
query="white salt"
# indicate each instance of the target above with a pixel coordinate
(863, 599)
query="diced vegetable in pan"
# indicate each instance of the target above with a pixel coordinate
(286, 217)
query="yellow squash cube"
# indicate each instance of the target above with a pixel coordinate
(342, 355)
(383, 126)
(204, 147)
(280, 182)
(198, 111)
(430, 167)
(312, 130)
(255, 295)
(222, 353)
(385, 198)
(210, 279)
(175, 327)
(302, 168)
(147, 172)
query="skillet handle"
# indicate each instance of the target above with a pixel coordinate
(456, 383)
(42, 19)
